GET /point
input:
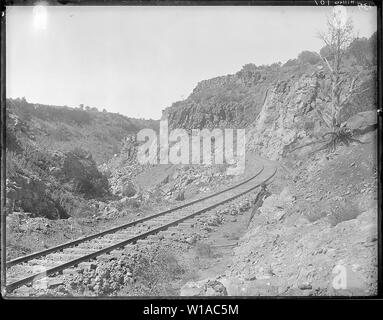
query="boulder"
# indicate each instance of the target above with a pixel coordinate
(205, 287)
(29, 193)
(128, 189)
(362, 122)
(78, 171)
(214, 220)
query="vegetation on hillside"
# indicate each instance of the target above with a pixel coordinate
(236, 100)
(64, 128)
(53, 153)
(341, 44)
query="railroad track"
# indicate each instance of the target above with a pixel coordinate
(26, 269)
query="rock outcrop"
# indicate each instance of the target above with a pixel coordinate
(281, 106)
(30, 194)
(78, 172)
(363, 122)
(227, 101)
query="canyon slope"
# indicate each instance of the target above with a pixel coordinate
(281, 106)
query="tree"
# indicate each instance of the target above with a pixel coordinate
(337, 38)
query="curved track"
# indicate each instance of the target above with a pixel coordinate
(71, 254)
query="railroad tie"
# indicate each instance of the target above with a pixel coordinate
(79, 251)
(186, 224)
(67, 256)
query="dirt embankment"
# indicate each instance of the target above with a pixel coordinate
(315, 235)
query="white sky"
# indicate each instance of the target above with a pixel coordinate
(138, 60)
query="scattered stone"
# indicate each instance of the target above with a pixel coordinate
(305, 286)
(180, 196)
(53, 283)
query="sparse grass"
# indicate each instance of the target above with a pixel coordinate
(155, 273)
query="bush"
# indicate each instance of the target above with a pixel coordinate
(10, 167)
(70, 205)
(79, 171)
(363, 50)
(338, 137)
(291, 62)
(309, 57)
(154, 274)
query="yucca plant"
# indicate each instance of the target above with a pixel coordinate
(341, 136)
(337, 38)
(337, 137)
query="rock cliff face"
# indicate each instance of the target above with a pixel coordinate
(281, 106)
(294, 109)
(227, 101)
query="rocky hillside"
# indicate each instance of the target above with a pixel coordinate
(320, 219)
(282, 106)
(64, 128)
(232, 100)
(318, 223)
(293, 111)
(53, 153)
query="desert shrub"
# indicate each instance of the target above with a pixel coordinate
(10, 166)
(70, 205)
(11, 141)
(363, 50)
(37, 158)
(339, 136)
(81, 153)
(61, 133)
(154, 273)
(21, 165)
(26, 111)
(291, 62)
(250, 73)
(309, 57)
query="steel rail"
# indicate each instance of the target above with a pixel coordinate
(121, 244)
(123, 226)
